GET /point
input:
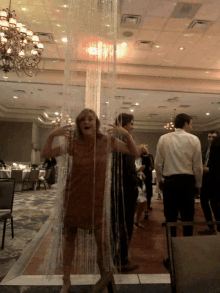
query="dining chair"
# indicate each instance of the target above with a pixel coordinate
(194, 260)
(6, 205)
(32, 179)
(45, 179)
(18, 176)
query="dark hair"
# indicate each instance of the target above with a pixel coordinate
(124, 119)
(181, 119)
(80, 117)
(213, 131)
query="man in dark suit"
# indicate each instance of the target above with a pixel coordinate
(214, 170)
(206, 197)
(148, 162)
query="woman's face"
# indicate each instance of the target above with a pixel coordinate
(129, 126)
(88, 124)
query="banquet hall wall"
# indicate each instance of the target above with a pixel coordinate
(15, 143)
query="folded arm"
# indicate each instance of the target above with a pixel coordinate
(197, 165)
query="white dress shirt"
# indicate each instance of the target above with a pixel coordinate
(179, 152)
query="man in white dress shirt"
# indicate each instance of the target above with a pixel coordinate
(179, 153)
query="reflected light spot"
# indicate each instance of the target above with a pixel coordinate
(124, 44)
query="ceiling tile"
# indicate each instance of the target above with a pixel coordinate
(134, 7)
(50, 51)
(168, 37)
(177, 24)
(28, 2)
(154, 23)
(148, 35)
(57, 3)
(58, 28)
(149, 61)
(59, 14)
(154, 55)
(214, 29)
(189, 38)
(34, 12)
(40, 26)
(160, 8)
(208, 12)
(162, 47)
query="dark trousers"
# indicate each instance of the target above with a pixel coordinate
(149, 189)
(122, 216)
(209, 198)
(179, 197)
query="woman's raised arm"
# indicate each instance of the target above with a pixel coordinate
(48, 151)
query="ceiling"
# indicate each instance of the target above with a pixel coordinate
(173, 62)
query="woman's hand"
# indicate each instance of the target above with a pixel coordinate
(117, 129)
(62, 131)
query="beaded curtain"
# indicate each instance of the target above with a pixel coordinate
(91, 48)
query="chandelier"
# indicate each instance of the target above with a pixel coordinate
(170, 125)
(20, 49)
(57, 121)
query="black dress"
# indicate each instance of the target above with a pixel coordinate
(124, 193)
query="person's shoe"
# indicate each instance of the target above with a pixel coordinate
(166, 263)
(207, 231)
(149, 208)
(146, 216)
(130, 266)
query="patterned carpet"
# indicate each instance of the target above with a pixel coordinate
(31, 209)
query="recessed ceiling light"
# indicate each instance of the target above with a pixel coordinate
(103, 115)
(157, 46)
(58, 24)
(207, 114)
(181, 48)
(65, 6)
(64, 40)
(132, 110)
(15, 97)
(56, 113)
(207, 72)
(137, 104)
(24, 9)
(57, 10)
(124, 44)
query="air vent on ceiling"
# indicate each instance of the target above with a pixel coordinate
(152, 115)
(186, 10)
(125, 108)
(162, 107)
(40, 90)
(199, 26)
(127, 103)
(20, 91)
(61, 93)
(184, 106)
(143, 45)
(175, 99)
(45, 37)
(130, 20)
(119, 97)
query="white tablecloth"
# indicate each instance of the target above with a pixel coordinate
(25, 174)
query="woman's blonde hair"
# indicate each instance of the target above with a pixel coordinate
(80, 117)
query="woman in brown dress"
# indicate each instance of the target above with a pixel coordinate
(85, 186)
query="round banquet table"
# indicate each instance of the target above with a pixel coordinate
(4, 174)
